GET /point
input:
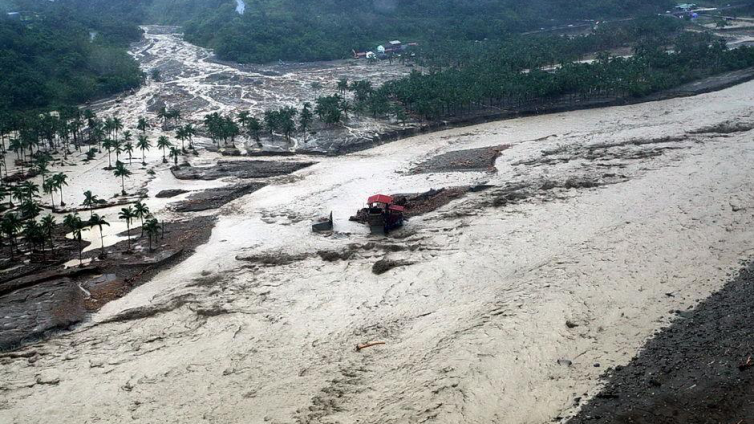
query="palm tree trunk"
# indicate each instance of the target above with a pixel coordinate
(81, 260)
(128, 234)
(102, 241)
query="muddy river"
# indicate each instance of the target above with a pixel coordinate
(509, 303)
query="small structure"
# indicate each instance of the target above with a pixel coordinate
(381, 214)
(323, 225)
(394, 47)
(686, 7)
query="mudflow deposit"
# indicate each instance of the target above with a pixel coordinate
(561, 244)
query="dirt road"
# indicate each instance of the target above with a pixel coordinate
(516, 299)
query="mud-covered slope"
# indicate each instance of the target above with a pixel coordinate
(698, 370)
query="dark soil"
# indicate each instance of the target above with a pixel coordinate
(167, 194)
(726, 128)
(384, 265)
(482, 159)
(419, 204)
(216, 198)
(700, 369)
(52, 298)
(239, 169)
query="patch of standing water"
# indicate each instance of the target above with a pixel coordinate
(75, 262)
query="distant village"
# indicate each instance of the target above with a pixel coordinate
(387, 51)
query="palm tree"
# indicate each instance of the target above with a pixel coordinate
(118, 148)
(152, 228)
(29, 190)
(17, 192)
(255, 127)
(143, 125)
(142, 211)
(42, 162)
(175, 115)
(10, 226)
(49, 188)
(98, 221)
(174, 153)
(129, 148)
(243, 118)
(122, 172)
(30, 209)
(90, 200)
(343, 86)
(4, 193)
(190, 132)
(117, 126)
(59, 180)
(181, 135)
(76, 225)
(127, 214)
(108, 145)
(34, 235)
(163, 114)
(47, 223)
(143, 145)
(163, 143)
(108, 126)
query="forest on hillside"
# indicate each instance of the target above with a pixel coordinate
(52, 55)
(296, 30)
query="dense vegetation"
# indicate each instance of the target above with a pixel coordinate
(533, 72)
(51, 55)
(496, 81)
(309, 30)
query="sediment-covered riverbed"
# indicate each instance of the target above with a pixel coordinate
(599, 226)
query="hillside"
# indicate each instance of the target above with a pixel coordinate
(271, 30)
(50, 55)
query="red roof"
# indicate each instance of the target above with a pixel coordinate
(396, 208)
(380, 198)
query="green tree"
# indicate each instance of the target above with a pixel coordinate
(142, 125)
(48, 226)
(60, 180)
(143, 144)
(163, 143)
(122, 172)
(174, 153)
(90, 201)
(76, 227)
(142, 211)
(10, 225)
(127, 214)
(152, 228)
(129, 148)
(306, 117)
(99, 222)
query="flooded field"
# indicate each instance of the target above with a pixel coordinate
(192, 81)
